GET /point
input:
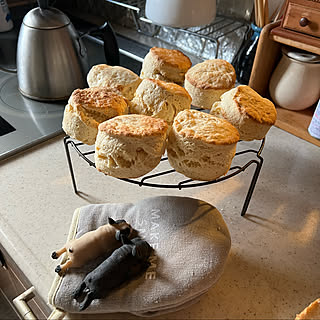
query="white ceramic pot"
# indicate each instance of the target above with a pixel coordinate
(295, 83)
(181, 13)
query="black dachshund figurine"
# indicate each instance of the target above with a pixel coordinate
(125, 263)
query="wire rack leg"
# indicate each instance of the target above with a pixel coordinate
(252, 186)
(66, 146)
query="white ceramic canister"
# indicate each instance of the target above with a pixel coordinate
(6, 23)
(181, 13)
(295, 82)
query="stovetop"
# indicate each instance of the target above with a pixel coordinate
(25, 122)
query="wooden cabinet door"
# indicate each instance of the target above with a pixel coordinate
(13, 283)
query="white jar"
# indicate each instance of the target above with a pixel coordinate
(295, 82)
(6, 23)
(181, 13)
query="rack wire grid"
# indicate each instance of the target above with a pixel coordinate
(149, 180)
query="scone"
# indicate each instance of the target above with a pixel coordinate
(118, 78)
(201, 146)
(87, 108)
(208, 80)
(160, 99)
(165, 64)
(250, 113)
(311, 312)
(130, 146)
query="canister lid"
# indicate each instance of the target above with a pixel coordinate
(50, 18)
(300, 55)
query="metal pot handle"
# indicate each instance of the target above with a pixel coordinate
(111, 48)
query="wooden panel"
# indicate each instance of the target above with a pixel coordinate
(293, 15)
(306, 3)
(296, 39)
(267, 56)
(297, 123)
(13, 282)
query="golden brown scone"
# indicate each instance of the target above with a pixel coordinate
(160, 99)
(250, 113)
(208, 80)
(165, 64)
(115, 77)
(130, 146)
(201, 146)
(312, 312)
(87, 108)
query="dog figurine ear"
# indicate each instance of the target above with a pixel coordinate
(126, 231)
(111, 221)
(134, 251)
(140, 250)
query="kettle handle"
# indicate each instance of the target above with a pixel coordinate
(111, 48)
(43, 4)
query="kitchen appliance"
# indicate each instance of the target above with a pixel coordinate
(51, 57)
(181, 13)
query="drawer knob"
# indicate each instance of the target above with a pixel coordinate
(303, 22)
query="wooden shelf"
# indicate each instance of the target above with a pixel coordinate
(295, 39)
(267, 57)
(297, 123)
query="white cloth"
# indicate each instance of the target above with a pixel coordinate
(191, 244)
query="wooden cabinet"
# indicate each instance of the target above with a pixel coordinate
(13, 283)
(302, 19)
(268, 54)
(300, 26)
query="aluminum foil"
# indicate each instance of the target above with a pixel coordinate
(221, 40)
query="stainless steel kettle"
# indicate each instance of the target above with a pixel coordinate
(51, 57)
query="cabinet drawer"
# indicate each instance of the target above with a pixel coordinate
(302, 19)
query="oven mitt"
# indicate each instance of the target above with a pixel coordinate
(191, 244)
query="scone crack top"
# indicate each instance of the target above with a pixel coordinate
(205, 127)
(212, 74)
(95, 105)
(114, 76)
(171, 57)
(254, 106)
(118, 78)
(171, 87)
(134, 125)
(97, 99)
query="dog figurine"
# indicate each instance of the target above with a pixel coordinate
(92, 244)
(125, 263)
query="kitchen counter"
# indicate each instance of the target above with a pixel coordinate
(273, 269)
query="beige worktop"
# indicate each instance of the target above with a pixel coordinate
(273, 269)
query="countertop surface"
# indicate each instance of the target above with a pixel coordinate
(273, 268)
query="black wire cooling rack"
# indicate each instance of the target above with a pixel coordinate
(179, 181)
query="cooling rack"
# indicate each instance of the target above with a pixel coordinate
(253, 157)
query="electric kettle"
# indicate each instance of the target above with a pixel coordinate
(51, 57)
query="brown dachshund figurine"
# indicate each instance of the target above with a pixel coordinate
(92, 244)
